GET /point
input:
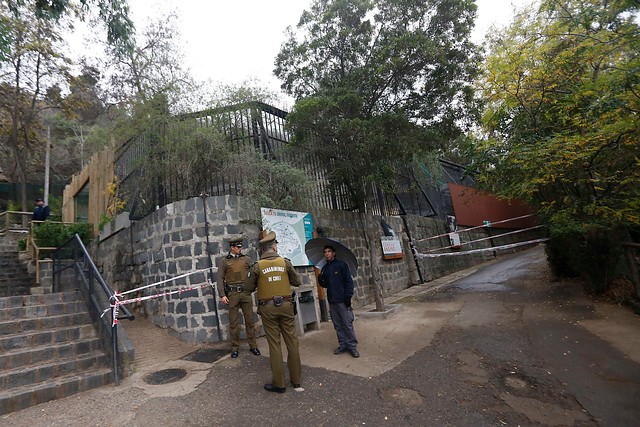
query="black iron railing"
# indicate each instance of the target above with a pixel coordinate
(255, 126)
(73, 268)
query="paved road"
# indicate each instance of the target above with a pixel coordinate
(503, 346)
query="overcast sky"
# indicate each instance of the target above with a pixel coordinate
(231, 41)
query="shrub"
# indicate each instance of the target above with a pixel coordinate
(592, 251)
(54, 234)
(22, 244)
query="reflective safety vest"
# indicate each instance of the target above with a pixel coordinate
(273, 279)
(236, 272)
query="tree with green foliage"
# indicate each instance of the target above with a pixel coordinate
(187, 155)
(75, 115)
(378, 84)
(153, 65)
(32, 66)
(114, 14)
(562, 86)
(33, 63)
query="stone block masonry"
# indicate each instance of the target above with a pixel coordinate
(357, 232)
(173, 241)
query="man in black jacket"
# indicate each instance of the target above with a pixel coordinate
(41, 211)
(336, 277)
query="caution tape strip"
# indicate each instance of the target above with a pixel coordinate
(473, 228)
(167, 280)
(496, 248)
(154, 296)
(116, 302)
(487, 238)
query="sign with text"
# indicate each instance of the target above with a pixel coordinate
(391, 247)
(454, 238)
(293, 230)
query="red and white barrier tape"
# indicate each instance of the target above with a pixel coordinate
(154, 296)
(167, 280)
(497, 248)
(473, 228)
(487, 238)
(117, 302)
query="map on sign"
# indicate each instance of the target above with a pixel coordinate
(293, 230)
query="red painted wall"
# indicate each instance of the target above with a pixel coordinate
(472, 207)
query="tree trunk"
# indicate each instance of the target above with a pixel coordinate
(375, 280)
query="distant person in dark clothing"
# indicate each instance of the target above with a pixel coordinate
(41, 212)
(336, 277)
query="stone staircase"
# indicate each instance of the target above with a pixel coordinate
(14, 277)
(49, 348)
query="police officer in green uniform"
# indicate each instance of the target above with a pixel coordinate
(273, 276)
(232, 275)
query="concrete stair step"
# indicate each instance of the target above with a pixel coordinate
(15, 399)
(33, 374)
(8, 291)
(18, 274)
(51, 336)
(48, 346)
(16, 282)
(9, 265)
(42, 310)
(21, 357)
(26, 300)
(17, 278)
(9, 327)
(6, 269)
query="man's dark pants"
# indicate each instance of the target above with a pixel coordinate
(342, 318)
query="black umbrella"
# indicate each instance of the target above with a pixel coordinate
(314, 250)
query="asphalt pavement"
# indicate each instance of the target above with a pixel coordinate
(503, 344)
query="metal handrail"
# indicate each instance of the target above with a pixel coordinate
(96, 297)
(6, 218)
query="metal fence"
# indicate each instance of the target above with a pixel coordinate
(258, 126)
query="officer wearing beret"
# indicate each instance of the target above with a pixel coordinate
(232, 275)
(273, 276)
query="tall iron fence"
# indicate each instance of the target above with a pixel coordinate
(258, 126)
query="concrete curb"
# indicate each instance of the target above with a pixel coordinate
(389, 309)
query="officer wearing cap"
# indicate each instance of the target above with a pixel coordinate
(273, 276)
(232, 274)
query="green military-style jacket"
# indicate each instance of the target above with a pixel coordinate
(232, 270)
(254, 272)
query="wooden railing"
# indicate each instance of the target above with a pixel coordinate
(8, 220)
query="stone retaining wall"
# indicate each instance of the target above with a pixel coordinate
(172, 241)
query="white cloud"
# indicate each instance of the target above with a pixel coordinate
(228, 41)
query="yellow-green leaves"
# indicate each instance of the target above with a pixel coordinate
(563, 96)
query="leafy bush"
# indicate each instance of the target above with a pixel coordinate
(54, 234)
(55, 204)
(592, 251)
(22, 244)
(14, 206)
